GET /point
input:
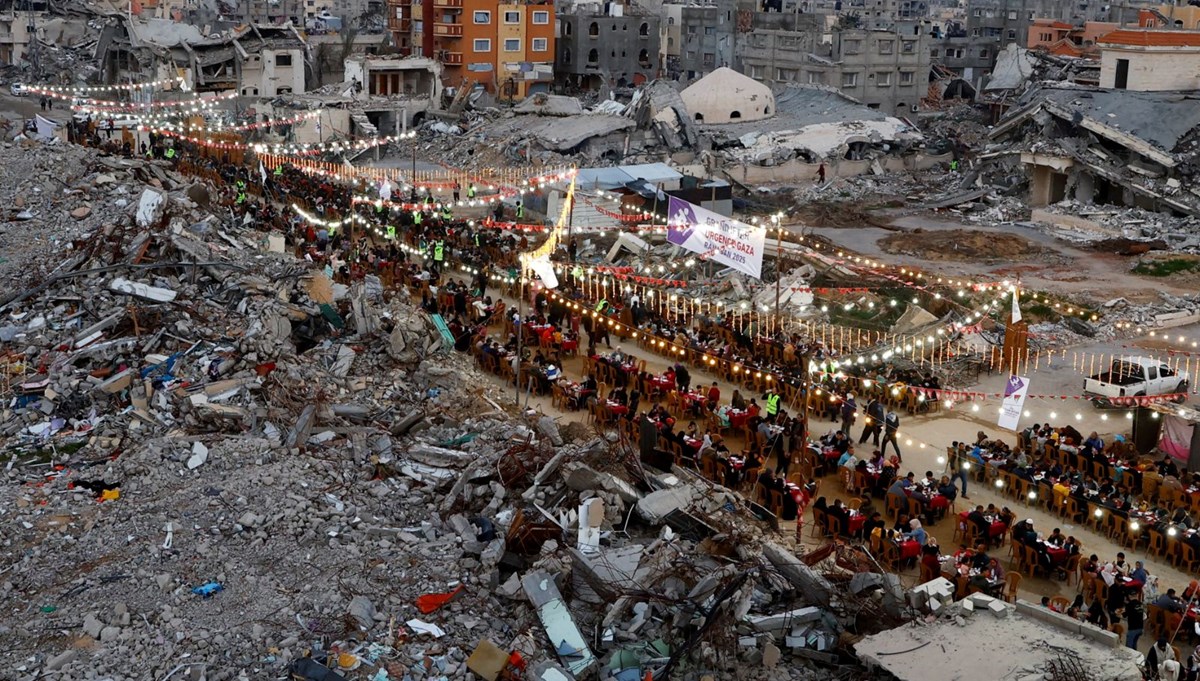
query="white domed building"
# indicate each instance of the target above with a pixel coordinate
(726, 96)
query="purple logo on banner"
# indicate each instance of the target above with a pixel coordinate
(681, 221)
(1015, 385)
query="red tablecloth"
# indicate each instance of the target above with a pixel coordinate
(692, 443)
(1058, 555)
(856, 522)
(939, 502)
(997, 529)
(569, 345)
(663, 384)
(737, 419)
(616, 407)
(909, 549)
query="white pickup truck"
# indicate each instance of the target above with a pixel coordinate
(1135, 377)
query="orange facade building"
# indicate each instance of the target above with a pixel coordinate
(508, 49)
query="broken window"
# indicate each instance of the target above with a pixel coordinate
(908, 46)
(849, 80)
(483, 17)
(594, 29)
(1012, 35)
(816, 78)
(935, 53)
(756, 72)
(710, 58)
(644, 59)
(1012, 16)
(734, 115)
(852, 46)
(593, 56)
(886, 46)
(785, 74)
(644, 30)
(710, 30)
(283, 60)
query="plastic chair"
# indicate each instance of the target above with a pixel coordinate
(895, 504)
(1012, 581)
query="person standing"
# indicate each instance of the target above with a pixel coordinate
(891, 425)
(874, 425)
(1134, 623)
(821, 174)
(957, 466)
(849, 412)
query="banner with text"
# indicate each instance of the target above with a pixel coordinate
(715, 236)
(1014, 401)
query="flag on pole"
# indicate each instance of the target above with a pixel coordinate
(1016, 306)
(262, 171)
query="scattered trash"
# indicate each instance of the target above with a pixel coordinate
(208, 589)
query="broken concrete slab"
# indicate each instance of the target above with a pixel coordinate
(812, 584)
(565, 638)
(133, 288)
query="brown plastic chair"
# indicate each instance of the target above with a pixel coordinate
(1012, 581)
(896, 503)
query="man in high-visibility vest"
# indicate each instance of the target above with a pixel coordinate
(447, 214)
(416, 215)
(520, 210)
(278, 171)
(241, 191)
(471, 191)
(170, 153)
(391, 232)
(439, 254)
(601, 305)
(772, 398)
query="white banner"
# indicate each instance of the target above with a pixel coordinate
(1014, 401)
(715, 236)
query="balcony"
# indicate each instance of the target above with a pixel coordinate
(447, 30)
(448, 3)
(450, 58)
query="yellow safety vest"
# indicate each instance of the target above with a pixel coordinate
(437, 251)
(772, 405)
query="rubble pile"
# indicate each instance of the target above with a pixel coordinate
(223, 465)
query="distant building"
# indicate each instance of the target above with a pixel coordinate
(1067, 40)
(883, 69)
(17, 29)
(1150, 60)
(620, 49)
(508, 49)
(695, 40)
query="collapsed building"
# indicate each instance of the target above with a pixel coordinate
(724, 124)
(1106, 148)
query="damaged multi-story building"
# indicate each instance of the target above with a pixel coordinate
(1106, 146)
(613, 44)
(884, 69)
(253, 61)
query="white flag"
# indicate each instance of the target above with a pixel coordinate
(385, 191)
(1016, 308)
(262, 170)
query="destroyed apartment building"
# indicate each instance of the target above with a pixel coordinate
(253, 60)
(1089, 147)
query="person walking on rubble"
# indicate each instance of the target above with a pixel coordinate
(821, 174)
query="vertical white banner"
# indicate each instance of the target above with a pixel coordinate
(1014, 401)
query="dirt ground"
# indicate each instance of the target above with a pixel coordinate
(964, 245)
(842, 214)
